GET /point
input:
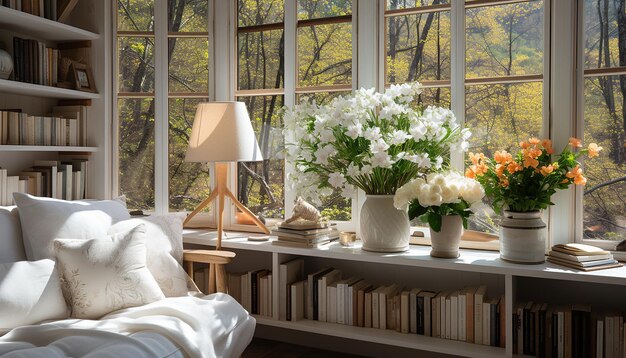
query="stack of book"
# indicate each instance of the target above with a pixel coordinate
(304, 234)
(252, 289)
(35, 62)
(544, 330)
(67, 126)
(582, 257)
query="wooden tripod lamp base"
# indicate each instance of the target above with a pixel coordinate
(221, 191)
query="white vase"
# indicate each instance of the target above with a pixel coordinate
(445, 243)
(523, 237)
(383, 227)
(6, 65)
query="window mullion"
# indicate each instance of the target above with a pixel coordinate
(161, 192)
(457, 71)
(291, 70)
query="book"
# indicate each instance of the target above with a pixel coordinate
(448, 316)
(581, 258)
(579, 249)
(413, 313)
(353, 303)
(289, 272)
(479, 296)
(469, 310)
(304, 245)
(435, 315)
(404, 311)
(428, 301)
(494, 322)
(462, 314)
(297, 300)
(367, 310)
(303, 225)
(312, 309)
(342, 298)
(384, 305)
(587, 269)
(331, 303)
(376, 306)
(234, 285)
(486, 320)
(323, 282)
(454, 315)
(362, 304)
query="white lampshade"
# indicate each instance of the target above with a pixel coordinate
(222, 132)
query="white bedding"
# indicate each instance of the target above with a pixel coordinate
(211, 326)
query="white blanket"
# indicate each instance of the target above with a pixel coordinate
(212, 326)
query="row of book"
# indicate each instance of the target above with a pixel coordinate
(253, 290)
(65, 179)
(66, 126)
(35, 62)
(42, 8)
(305, 234)
(545, 330)
(464, 315)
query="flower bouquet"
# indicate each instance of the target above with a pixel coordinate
(444, 201)
(372, 141)
(522, 184)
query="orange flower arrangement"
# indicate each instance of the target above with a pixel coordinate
(527, 180)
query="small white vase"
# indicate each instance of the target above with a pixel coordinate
(445, 243)
(523, 237)
(6, 65)
(383, 227)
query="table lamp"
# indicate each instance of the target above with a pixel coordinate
(222, 133)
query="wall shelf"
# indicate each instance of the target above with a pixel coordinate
(41, 28)
(45, 148)
(29, 89)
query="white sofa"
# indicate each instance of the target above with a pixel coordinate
(188, 326)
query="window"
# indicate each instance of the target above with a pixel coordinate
(163, 72)
(502, 68)
(604, 118)
(323, 55)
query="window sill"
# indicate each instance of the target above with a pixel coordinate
(474, 240)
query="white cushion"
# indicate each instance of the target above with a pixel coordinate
(103, 275)
(30, 293)
(44, 219)
(11, 246)
(164, 242)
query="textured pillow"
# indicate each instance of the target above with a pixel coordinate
(11, 246)
(44, 219)
(104, 275)
(164, 244)
(29, 293)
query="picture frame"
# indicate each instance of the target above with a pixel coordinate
(81, 77)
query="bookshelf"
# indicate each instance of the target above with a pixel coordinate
(542, 283)
(90, 21)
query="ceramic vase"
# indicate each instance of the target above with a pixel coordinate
(383, 227)
(523, 237)
(445, 243)
(6, 65)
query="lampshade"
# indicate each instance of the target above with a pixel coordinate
(222, 132)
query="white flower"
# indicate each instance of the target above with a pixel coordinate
(323, 154)
(327, 135)
(366, 169)
(407, 193)
(378, 146)
(352, 171)
(354, 131)
(438, 162)
(450, 193)
(418, 131)
(382, 160)
(472, 191)
(348, 191)
(399, 137)
(336, 180)
(390, 110)
(430, 195)
(372, 134)
(422, 161)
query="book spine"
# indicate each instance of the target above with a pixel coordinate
(420, 315)
(413, 314)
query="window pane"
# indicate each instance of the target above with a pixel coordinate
(189, 65)
(604, 200)
(135, 15)
(260, 60)
(316, 9)
(136, 64)
(325, 55)
(500, 116)
(433, 96)
(418, 47)
(259, 12)
(603, 24)
(261, 184)
(136, 152)
(189, 183)
(407, 4)
(187, 16)
(505, 40)
(321, 98)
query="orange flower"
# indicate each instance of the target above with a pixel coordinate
(576, 171)
(530, 162)
(564, 181)
(476, 158)
(546, 170)
(524, 145)
(580, 180)
(546, 144)
(514, 167)
(594, 150)
(502, 157)
(500, 170)
(534, 141)
(575, 142)
(504, 182)
(469, 173)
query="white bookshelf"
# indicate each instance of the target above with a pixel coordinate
(41, 28)
(29, 89)
(89, 21)
(46, 148)
(517, 282)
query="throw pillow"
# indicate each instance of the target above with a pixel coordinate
(104, 275)
(11, 246)
(30, 292)
(164, 243)
(44, 219)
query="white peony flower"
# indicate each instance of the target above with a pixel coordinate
(472, 191)
(450, 193)
(336, 180)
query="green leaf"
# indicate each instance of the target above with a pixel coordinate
(434, 221)
(416, 210)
